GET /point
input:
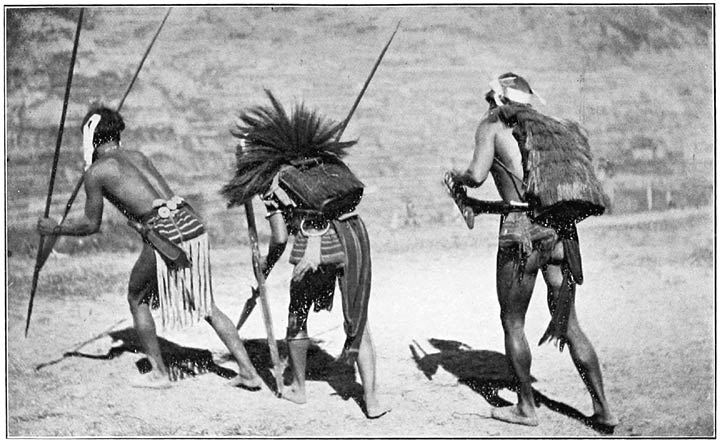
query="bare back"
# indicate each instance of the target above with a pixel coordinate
(130, 181)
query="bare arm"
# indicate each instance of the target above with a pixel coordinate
(483, 154)
(92, 218)
(278, 241)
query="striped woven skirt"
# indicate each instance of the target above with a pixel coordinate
(185, 294)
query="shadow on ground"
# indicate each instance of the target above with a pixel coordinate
(486, 372)
(188, 362)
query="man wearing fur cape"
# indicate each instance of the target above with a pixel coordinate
(511, 137)
(294, 162)
(173, 269)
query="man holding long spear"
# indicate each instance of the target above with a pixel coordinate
(279, 156)
(294, 162)
(173, 269)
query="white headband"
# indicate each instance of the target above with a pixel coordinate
(88, 134)
(502, 88)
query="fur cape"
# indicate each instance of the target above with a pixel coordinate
(560, 182)
(272, 139)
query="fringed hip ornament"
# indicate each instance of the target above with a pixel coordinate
(185, 294)
(560, 306)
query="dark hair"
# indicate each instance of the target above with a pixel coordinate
(110, 125)
(518, 83)
(490, 98)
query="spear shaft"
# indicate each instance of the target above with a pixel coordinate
(53, 172)
(142, 61)
(365, 86)
(46, 245)
(50, 243)
(79, 184)
(278, 367)
(251, 302)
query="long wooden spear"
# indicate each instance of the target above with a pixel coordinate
(278, 366)
(142, 61)
(252, 301)
(46, 246)
(365, 86)
(50, 243)
(53, 172)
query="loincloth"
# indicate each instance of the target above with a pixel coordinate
(184, 291)
(518, 230)
(520, 236)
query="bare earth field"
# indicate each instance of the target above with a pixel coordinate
(648, 305)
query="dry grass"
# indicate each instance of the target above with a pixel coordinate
(647, 304)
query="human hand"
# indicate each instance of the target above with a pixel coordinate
(452, 180)
(453, 185)
(45, 226)
(264, 266)
(310, 260)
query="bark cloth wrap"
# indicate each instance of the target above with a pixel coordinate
(184, 281)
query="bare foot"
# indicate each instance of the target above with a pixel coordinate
(153, 381)
(375, 411)
(294, 394)
(253, 384)
(512, 415)
(606, 419)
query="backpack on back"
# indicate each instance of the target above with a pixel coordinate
(559, 179)
(322, 187)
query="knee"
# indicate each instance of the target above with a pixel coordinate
(138, 296)
(296, 326)
(553, 277)
(134, 298)
(512, 322)
(574, 332)
(212, 313)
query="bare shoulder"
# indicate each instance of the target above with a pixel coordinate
(141, 159)
(136, 154)
(489, 127)
(102, 168)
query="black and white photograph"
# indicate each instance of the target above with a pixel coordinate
(360, 221)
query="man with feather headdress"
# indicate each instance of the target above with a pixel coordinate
(294, 162)
(172, 272)
(545, 165)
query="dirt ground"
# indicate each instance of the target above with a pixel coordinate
(648, 305)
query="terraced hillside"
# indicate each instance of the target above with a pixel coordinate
(626, 73)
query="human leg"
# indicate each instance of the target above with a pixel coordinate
(247, 375)
(366, 368)
(583, 354)
(314, 288)
(298, 343)
(514, 289)
(140, 288)
(587, 364)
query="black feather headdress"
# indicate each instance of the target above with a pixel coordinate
(271, 139)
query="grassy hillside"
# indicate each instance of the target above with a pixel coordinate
(626, 73)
